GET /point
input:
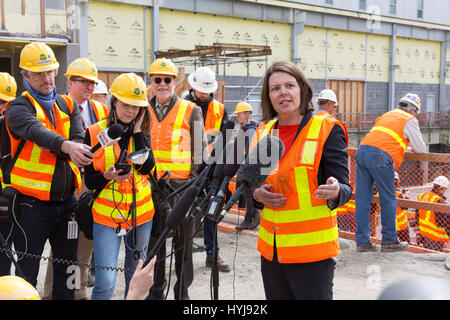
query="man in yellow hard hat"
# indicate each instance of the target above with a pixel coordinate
(82, 76)
(203, 86)
(8, 89)
(48, 126)
(248, 126)
(177, 149)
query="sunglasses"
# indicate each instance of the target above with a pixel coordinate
(167, 80)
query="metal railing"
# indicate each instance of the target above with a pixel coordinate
(363, 122)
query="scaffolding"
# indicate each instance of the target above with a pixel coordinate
(220, 54)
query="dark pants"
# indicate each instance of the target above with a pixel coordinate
(6, 229)
(298, 281)
(209, 236)
(184, 266)
(42, 221)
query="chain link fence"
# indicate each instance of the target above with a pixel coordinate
(423, 224)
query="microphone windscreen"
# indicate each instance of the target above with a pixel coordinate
(261, 161)
(115, 131)
(180, 209)
(235, 153)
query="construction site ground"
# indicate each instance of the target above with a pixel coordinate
(358, 276)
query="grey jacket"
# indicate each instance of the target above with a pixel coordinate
(23, 124)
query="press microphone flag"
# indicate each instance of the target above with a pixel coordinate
(108, 137)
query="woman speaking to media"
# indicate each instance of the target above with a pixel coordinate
(298, 235)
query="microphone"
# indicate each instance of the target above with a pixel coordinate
(257, 167)
(108, 137)
(174, 219)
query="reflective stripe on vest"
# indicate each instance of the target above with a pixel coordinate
(213, 120)
(113, 204)
(33, 170)
(341, 124)
(347, 208)
(401, 220)
(305, 229)
(171, 140)
(101, 111)
(387, 134)
(427, 220)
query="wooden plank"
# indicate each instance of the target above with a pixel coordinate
(406, 203)
(413, 156)
(43, 32)
(3, 14)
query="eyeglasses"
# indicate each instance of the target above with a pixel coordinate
(85, 82)
(321, 102)
(42, 75)
(167, 80)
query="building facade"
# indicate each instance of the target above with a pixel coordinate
(370, 52)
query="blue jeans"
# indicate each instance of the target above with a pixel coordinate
(375, 166)
(106, 248)
(209, 234)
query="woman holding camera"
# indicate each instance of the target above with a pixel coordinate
(124, 207)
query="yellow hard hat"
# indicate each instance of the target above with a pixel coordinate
(130, 89)
(38, 57)
(163, 66)
(242, 107)
(8, 87)
(16, 288)
(82, 67)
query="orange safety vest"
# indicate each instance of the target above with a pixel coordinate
(387, 135)
(427, 219)
(113, 203)
(171, 140)
(401, 221)
(100, 109)
(346, 209)
(213, 120)
(341, 124)
(304, 229)
(33, 170)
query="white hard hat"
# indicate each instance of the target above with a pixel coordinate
(441, 181)
(413, 99)
(100, 88)
(327, 94)
(203, 80)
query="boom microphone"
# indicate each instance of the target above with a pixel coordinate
(174, 219)
(108, 137)
(257, 167)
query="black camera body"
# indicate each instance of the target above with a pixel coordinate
(126, 167)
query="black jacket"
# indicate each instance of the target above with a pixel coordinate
(23, 124)
(334, 162)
